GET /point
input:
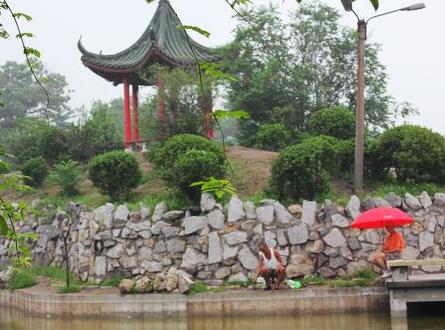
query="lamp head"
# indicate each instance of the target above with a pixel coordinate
(416, 6)
(347, 4)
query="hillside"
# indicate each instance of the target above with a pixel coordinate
(251, 171)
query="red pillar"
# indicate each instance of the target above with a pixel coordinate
(135, 112)
(208, 115)
(161, 107)
(127, 115)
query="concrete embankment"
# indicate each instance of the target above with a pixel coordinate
(229, 303)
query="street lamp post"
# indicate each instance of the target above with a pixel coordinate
(360, 96)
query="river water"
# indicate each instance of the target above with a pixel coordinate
(14, 320)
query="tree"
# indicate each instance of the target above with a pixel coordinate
(286, 71)
(22, 97)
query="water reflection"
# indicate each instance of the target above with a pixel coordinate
(13, 320)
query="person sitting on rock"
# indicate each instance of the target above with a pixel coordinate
(270, 266)
(392, 248)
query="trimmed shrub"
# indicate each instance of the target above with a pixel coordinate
(416, 153)
(115, 174)
(186, 158)
(193, 166)
(299, 172)
(326, 148)
(273, 137)
(338, 122)
(36, 170)
(67, 175)
(179, 145)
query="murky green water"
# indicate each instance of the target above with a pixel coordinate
(13, 320)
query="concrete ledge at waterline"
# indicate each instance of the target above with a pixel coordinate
(93, 306)
(230, 303)
(288, 302)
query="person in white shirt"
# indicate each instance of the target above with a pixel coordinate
(270, 266)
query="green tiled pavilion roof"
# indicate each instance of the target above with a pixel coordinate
(162, 42)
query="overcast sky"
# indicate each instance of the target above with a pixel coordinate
(412, 42)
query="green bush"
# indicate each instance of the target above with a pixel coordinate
(193, 166)
(115, 174)
(22, 279)
(36, 170)
(338, 122)
(67, 175)
(416, 153)
(186, 158)
(327, 149)
(273, 137)
(180, 144)
(299, 172)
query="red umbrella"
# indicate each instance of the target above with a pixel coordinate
(382, 217)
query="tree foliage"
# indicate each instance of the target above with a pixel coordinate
(22, 97)
(338, 122)
(287, 71)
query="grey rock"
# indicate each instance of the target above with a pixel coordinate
(355, 266)
(425, 200)
(431, 224)
(222, 273)
(235, 237)
(335, 238)
(410, 253)
(172, 215)
(184, 281)
(267, 202)
(169, 231)
(145, 253)
(258, 229)
(346, 253)
(152, 266)
(208, 203)
(372, 236)
(144, 212)
(116, 232)
(353, 207)
(340, 221)
(104, 235)
(337, 262)
(380, 202)
(431, 268)
(216, 219)
(298, 270)
(160, 209)
(353, 243)
(236, 211)
(121, 215)
(215, 254)
(146, 234)
(192, 259)
(281, 214)
(315, 246)
(249, 207)
(109, 243)
(247, 259)
(160, 247)
(281, 237)
(175, 245)
(193, 224)
(240, 277)
(156, 229)
(324, 230)
(309, 215)
(393, 199)
(229, 254)
(368, 203)
(332, 252)
(248, 225)
(104, 215)
(296, 210)
(439, 199)
(412, 202)
(100, 266)
(127, 286)
(116, 251)
(426, 240)
(298, 234)
(128, 262)
(128, 233)
(265, 214)
(327, 272)
(329, 209)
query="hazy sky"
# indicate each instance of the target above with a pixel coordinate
(412, 42)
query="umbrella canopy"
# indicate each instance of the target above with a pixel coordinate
(382, 217)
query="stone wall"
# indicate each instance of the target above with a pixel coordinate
(222, 243)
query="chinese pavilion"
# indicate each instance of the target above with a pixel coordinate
(162, 43)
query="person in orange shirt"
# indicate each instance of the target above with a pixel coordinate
(392, 248)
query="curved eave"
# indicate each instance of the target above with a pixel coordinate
(115, 74)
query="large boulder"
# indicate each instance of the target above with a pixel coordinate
(298, 234)
(215, 253)
(309, 215)
(247, 259)
(334, 238)
(194, 223)
(143, 285)
(236, 211)
(127, 286)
